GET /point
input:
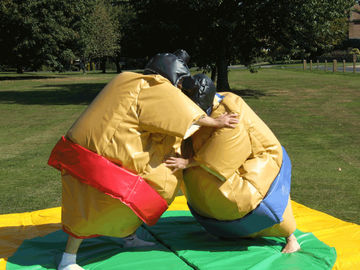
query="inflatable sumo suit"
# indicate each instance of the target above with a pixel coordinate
(111, 159)
(242, 187)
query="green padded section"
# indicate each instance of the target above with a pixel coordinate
(179, 232)
(102, 253)
(181, 244)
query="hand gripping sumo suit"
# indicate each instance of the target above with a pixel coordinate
(241, 187)
(111, 159)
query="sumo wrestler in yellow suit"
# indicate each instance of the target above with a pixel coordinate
(134, 123)
(237, 181)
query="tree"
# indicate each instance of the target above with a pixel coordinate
(122, 13)
(316, 27)
(101, 34)
(40, 32)
(219, 32)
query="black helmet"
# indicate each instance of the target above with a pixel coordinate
(169, 66)
(182, 54)
(205, 94)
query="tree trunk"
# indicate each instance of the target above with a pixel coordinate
(19, 69)
(118, 67)
(213, 73)
(103, 64)
(222, 83)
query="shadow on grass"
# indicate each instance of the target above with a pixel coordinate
(62, 95)
(249, 93)
(30, 77)
(79, 93)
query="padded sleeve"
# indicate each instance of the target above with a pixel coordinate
(165, 109)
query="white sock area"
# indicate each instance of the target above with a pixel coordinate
(68, 262)
(134, 241)
(71, 267)
(68, 258)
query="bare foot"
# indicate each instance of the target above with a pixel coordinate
(134, 241)
(292, 245)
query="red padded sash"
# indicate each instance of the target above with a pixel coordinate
(100, 173)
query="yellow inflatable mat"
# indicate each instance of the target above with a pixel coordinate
(34, 240)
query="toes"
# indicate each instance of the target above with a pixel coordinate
(291, 248)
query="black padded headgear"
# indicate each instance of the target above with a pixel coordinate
(204, 97)
(182, 54)
(190, 86)
(169, 66)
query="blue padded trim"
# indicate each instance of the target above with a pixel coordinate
(219, 97)
(268, 212)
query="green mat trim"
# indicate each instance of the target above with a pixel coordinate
(181, 244)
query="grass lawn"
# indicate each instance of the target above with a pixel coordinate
(315, 115)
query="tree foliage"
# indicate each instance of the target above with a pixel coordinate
(102, 34)
(40, 32)
(317, 26)
(218, 32)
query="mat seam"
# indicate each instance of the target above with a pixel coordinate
(169, 248)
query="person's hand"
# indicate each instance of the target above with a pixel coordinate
(176, 163)
(229, 120)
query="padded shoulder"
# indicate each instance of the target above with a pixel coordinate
(163, 108)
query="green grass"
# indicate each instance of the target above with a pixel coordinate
(36, 109)
(315, 115)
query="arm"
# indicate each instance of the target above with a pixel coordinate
(180, 163)
(224, 120)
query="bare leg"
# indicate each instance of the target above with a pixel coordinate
(292, 244)
(68, 261)
(73, 244)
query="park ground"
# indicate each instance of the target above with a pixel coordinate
(315, 115)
